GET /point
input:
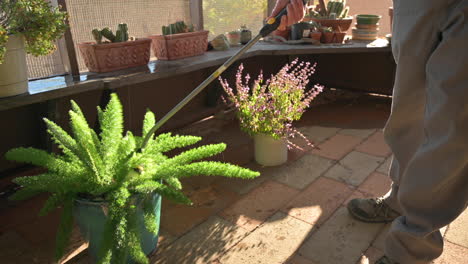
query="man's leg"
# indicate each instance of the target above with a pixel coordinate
(433, 187)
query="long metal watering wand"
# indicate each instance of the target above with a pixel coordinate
(271, 25)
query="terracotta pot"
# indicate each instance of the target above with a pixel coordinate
(337, 24)
(180, 46)
(339, 37)
(115, 56)
(316, 35)
(327, 37)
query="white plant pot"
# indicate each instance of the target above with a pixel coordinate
(270, 151)
(13, 70)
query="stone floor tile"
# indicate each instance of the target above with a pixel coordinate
(453, 254)
(379, 242)
(301, 173)
(273, 242)
(458, 231)
(340, 240)
(385, 167)
(318, 134)
(375, 145)
(354, 168)
(203, 244)
(370, 256)
(319, 201)
(337, 147)
(262, 202)
(165, 238)
(376, 184)
(243, 186)
(359, 133)
(298, 259)
(177, 219)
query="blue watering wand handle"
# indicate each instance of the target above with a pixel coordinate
(271, 25)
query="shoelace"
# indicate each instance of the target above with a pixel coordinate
(381, 207)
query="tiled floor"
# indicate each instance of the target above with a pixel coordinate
(295, 213)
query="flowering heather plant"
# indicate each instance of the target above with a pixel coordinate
(270, 106)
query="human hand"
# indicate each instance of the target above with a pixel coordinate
(296, 12)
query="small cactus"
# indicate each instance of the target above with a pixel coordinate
(108, 34)
(335, 9)
(345, 12)
(97, 35)
(122, 33)
(177, 28)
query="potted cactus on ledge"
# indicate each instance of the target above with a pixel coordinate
(112, 183)
(334, 14)
(179, 40)
(118, 52)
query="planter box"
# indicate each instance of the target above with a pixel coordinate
(115, 56)
(178, 46)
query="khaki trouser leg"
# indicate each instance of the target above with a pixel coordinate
(430, 109)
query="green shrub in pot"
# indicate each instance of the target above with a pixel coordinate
(117, 169)
(36, 20)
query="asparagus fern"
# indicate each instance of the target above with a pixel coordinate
(113, 167)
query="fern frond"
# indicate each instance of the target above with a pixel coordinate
(152, 186)
(196, 154)
(44, 159)
(47, 182)
(174, 183)
(65, 227)
(166, 142)
(23, 194)
(208, 168)
(149, 216)
(85, 144)
(134, 238)
(111, 130)
(62, 139)
(54, 201)
(76, 108)
(148, 123)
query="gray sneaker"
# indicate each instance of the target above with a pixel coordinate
(385, 260)
(373, 210)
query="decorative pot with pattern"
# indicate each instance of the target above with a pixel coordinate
(178, 46)
(108, 57)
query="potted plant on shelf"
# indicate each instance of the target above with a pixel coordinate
(246, 34)
(334, 14)
(26, 26)
(315, 32)
(111, 184)
(267, 109)
(178, 41)
(118, 52)
(327, 35)
(234, 37)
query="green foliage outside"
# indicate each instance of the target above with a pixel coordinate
(39, 22)
(221, 16)
(112, 167)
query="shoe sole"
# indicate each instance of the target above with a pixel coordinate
(367, 220)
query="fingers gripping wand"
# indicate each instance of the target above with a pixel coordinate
(271, 25)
